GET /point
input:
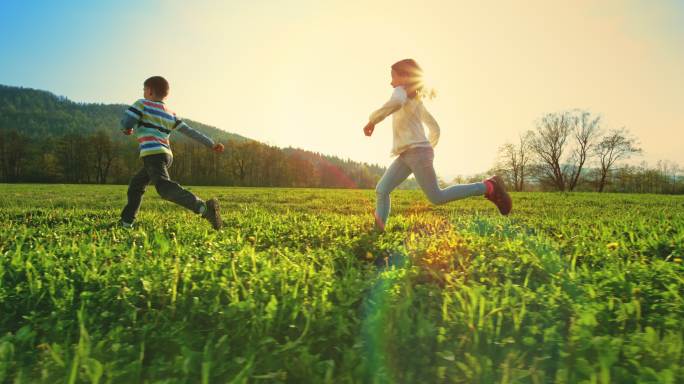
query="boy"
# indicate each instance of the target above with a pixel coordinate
(153, 122)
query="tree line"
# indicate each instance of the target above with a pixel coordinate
(99, 158)
(46, 138)
(571, 151)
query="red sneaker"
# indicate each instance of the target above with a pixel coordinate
(498, 195)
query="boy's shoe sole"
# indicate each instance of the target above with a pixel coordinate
(213, 214)
(499, 196)
(123, 224)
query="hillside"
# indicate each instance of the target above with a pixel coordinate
(49, 138)
(39, 113)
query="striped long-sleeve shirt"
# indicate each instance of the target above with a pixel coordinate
(153, 123)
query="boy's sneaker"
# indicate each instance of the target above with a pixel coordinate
(496, 193)
(124, 225)
(213, 214)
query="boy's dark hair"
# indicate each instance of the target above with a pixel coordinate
(158, 85)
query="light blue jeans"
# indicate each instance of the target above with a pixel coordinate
(418, 160)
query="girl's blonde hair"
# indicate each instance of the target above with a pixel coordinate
(415, 88)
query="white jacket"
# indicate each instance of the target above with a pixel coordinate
(407, 122)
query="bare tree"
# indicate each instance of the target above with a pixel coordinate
(586, 128)
(675, 175)
(513, 160)
(549, 144)
(506, 165)
(615, 146)
(668, 172)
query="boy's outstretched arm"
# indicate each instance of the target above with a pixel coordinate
(131, 118)
(198, 136)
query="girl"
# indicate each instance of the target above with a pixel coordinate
(414, 151)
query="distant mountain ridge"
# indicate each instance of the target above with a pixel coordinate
(53, 113)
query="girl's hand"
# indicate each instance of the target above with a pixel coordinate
(127, 132)
(218, 148)
(368, 129)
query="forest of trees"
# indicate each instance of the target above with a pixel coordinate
(571, 151)
(46, 138)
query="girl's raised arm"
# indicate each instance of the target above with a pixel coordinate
(392, 105)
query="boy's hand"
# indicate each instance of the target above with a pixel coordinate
(127, 132)
(368, 129)
(218, 148)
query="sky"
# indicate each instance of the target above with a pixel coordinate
(308, 73)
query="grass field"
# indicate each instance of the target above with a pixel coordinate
(297, 288)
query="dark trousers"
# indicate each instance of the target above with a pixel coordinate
(156, 171)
